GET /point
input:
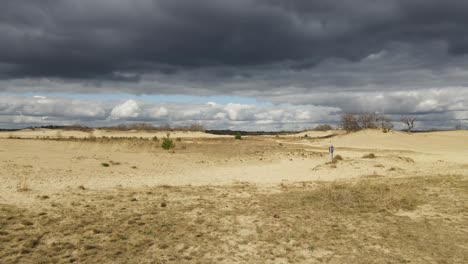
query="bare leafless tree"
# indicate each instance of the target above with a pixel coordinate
(349, 122)
(385, 123)
(367, 120)
(409, 122)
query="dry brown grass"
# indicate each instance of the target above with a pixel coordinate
(336, 159)
(378, 220)
(23, 185)
(362, 197)
(361, 222)
(369, 156)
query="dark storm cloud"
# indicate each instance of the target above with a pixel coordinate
(100, 39)
(397, 56)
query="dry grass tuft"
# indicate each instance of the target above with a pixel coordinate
(407, 159)
(23, 185)
(337, 158)
(369, 156)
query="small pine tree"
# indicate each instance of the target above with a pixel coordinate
(168, 143)
(238, 136)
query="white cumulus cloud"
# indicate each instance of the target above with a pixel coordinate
(128, 109)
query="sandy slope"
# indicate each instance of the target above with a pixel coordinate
(51, 165)
(431, 146)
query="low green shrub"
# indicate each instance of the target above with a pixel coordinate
(168, 143)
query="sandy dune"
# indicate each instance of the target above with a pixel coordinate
(211, 159)
(74, 171)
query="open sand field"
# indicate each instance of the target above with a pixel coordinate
(118, 197)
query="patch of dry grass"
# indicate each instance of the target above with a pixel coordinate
(369, 156)
(359, 222)
(362, 197)
(337, 158)
(23, 185)
(341, 222)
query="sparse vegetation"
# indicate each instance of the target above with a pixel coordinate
(238, 136)
(105, 164)
(362, 196)
(319, 223)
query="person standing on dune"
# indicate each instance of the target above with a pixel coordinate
(331, 149)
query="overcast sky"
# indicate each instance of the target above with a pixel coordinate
(238, 64)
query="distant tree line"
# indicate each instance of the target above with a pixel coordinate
(127, 127)
(151, 127)
(325, 127)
